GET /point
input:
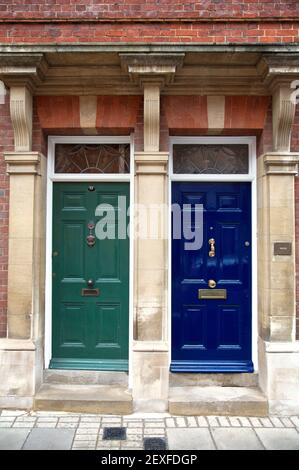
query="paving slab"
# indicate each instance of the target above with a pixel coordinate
(236, 439)
(190, 439)
(12, 439)
(49, 439)
(279, 439)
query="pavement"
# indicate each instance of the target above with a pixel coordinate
(20, 430)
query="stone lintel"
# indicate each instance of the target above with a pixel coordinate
(280, 163)
(20, 163)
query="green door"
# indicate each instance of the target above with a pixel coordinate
(90, 277)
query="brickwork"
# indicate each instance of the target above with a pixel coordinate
(132, 32)
(149, 9)
(6, 144)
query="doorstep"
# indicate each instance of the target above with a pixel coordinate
(217, 400)
(106, 399)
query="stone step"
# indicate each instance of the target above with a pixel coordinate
(106, 399)
(222, 380)
(215, 400)
(85, 377)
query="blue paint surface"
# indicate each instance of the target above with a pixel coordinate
(213, 335)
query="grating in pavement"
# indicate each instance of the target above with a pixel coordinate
(115, 434)
(154, 443)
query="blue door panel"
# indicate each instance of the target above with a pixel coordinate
(213, 335)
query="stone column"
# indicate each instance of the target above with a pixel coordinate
(278, 352)
(21, 352)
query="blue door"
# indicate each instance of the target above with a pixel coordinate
(211, 286)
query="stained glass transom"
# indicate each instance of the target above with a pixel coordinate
(92, 158)
(210, 159)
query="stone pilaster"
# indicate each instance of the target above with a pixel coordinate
(21, 353)
(278, 353)
(26, 242)
(150, 346)
(276, 224)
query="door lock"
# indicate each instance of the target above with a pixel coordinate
(212, 247)
(212, 283)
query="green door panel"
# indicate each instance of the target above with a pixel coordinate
(89, 332)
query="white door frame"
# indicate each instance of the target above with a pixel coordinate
(250, 177)
(53, 177)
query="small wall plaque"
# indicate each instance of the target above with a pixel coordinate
(282, 248)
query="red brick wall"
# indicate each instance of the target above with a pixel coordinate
(6, 144)
(205, 21)
(207, 33)
(95, 9)
(295, 148)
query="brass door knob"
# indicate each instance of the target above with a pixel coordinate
(212, 283)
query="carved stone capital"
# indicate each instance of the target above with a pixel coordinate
(23, 163)
(156, 67)
(151, 162)
(278, 163)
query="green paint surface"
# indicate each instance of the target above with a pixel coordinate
(89, 332)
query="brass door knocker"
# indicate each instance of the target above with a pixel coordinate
(91, 239)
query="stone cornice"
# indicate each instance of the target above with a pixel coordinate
(23, 69)
(278, 69)
(158, 47)
(56, 74)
